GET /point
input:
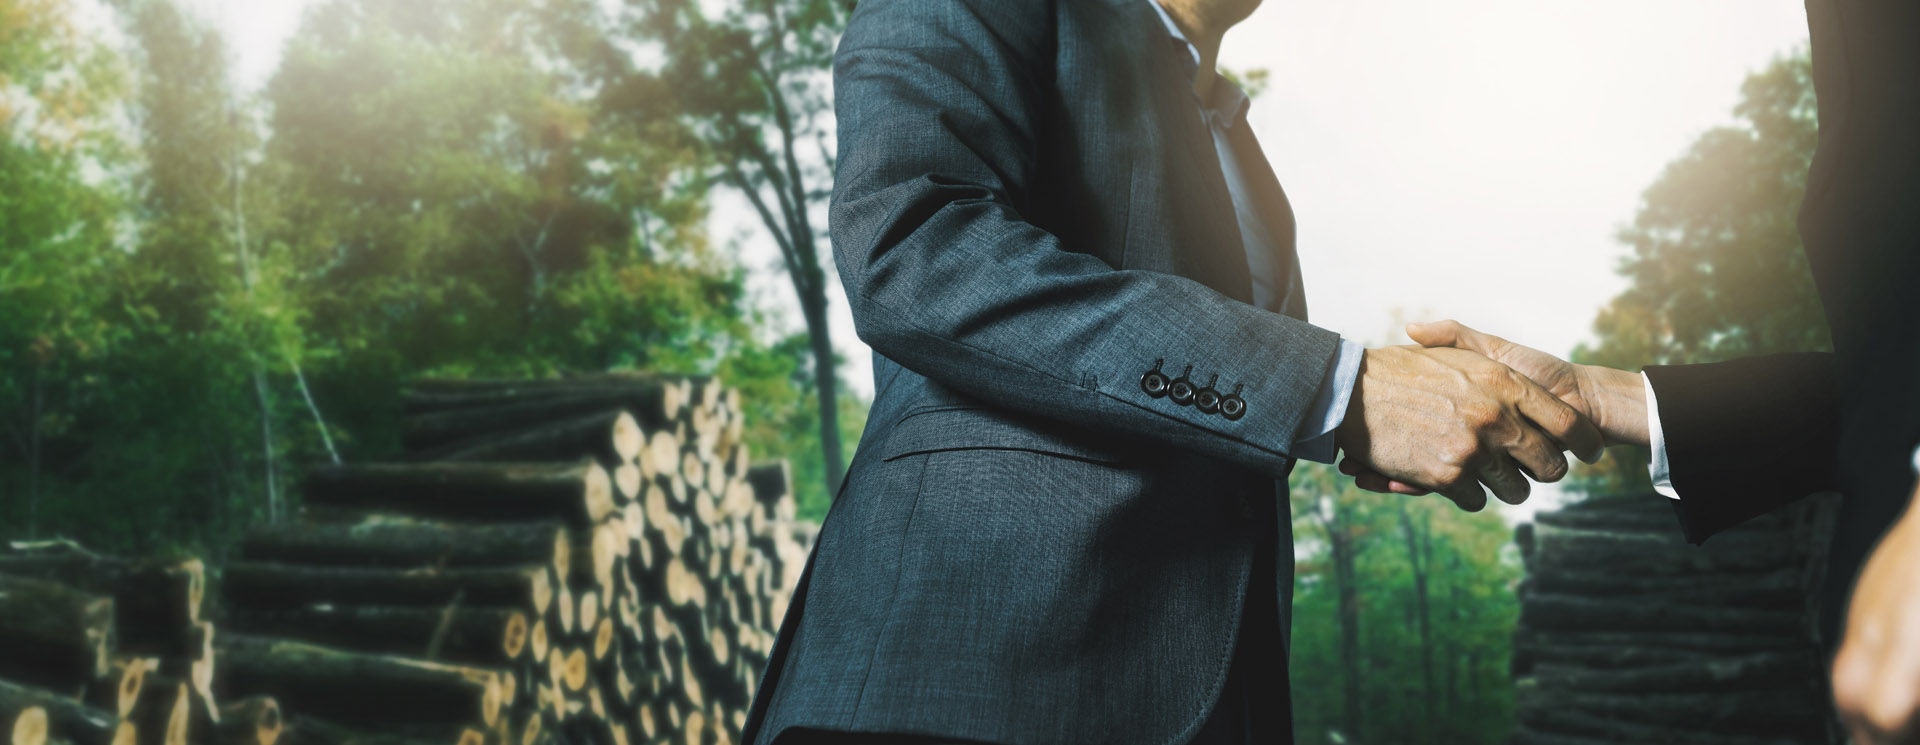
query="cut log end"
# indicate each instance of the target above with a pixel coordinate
(574, 670)
(251, 721)
(514, 638)
(30, 726)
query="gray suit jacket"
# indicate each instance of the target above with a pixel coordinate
(1038, 542)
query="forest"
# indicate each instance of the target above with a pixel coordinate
(204, 293)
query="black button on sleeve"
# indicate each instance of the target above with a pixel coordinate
(1154, 383)
(1181, 389)
(1232, 406)
(1207, 400)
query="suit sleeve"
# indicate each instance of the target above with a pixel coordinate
(938, 106)
(1746, 436)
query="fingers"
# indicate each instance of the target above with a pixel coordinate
(1449, 334)
(1569, 428)
(1537, 455)
(1467, 495)
(1501, 475)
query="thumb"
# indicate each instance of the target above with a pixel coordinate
(1436, 333)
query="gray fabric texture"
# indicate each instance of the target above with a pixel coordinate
(1028, 215)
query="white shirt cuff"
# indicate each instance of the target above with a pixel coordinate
(1659, 469)
(1329, 409)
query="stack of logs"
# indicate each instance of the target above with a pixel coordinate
(100, 650)
(590, 560)
(1629, 634)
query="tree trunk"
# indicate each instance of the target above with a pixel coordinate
(1417, 562)
(358, 687)
(1341, 547)
(1574, 613)
(309, 730)
(580, 493)
(266, 443)
(53, 635)
(612, 437)
(34, 415)
(466, 634)
(265, 585)
(401, 543)
(151, 599)
(451, 428)
(826, 387)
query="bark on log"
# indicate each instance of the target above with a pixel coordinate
(441, 394)
(1730, 676)
(1795, 714)
(1657, 555)
(1780, 590)
(610, 436)
(309, 730)
(52, 634)
(580, 493)
(148, 596)
(371, 689)
(407, 543)
(468, 634)
(265, 585)
(450, 428)
(1574, 613)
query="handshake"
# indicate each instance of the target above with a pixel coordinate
(1465, 408)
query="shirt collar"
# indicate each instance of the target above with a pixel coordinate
(1229, 103)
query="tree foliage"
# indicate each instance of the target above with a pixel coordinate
(1447, 685)
(207, 290)
(1716, 269)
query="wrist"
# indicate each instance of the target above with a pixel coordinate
(1616, 402)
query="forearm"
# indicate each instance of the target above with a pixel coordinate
(1617, 403)
(949, 274)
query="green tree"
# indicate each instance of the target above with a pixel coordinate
(1403, 615)
(60, 149)
(1716, 269)
(749, 80)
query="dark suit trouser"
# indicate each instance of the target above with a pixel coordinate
(1253, 709)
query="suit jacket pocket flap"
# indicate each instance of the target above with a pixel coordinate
(933, 430)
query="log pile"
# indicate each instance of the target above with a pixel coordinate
(1629, 634)
(102, 650)
(591, 560)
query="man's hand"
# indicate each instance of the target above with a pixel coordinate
(1615, 400)
(1449, 420)
(1876, 675)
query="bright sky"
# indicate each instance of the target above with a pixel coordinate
(1445, 158)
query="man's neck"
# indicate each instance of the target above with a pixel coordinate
(1204, 32)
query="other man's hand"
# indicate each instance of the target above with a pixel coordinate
(1615, 400)
(1449, 420)
(1876, 675)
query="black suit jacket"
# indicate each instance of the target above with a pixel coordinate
(1748, 435)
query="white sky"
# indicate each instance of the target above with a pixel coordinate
(1445, 158)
